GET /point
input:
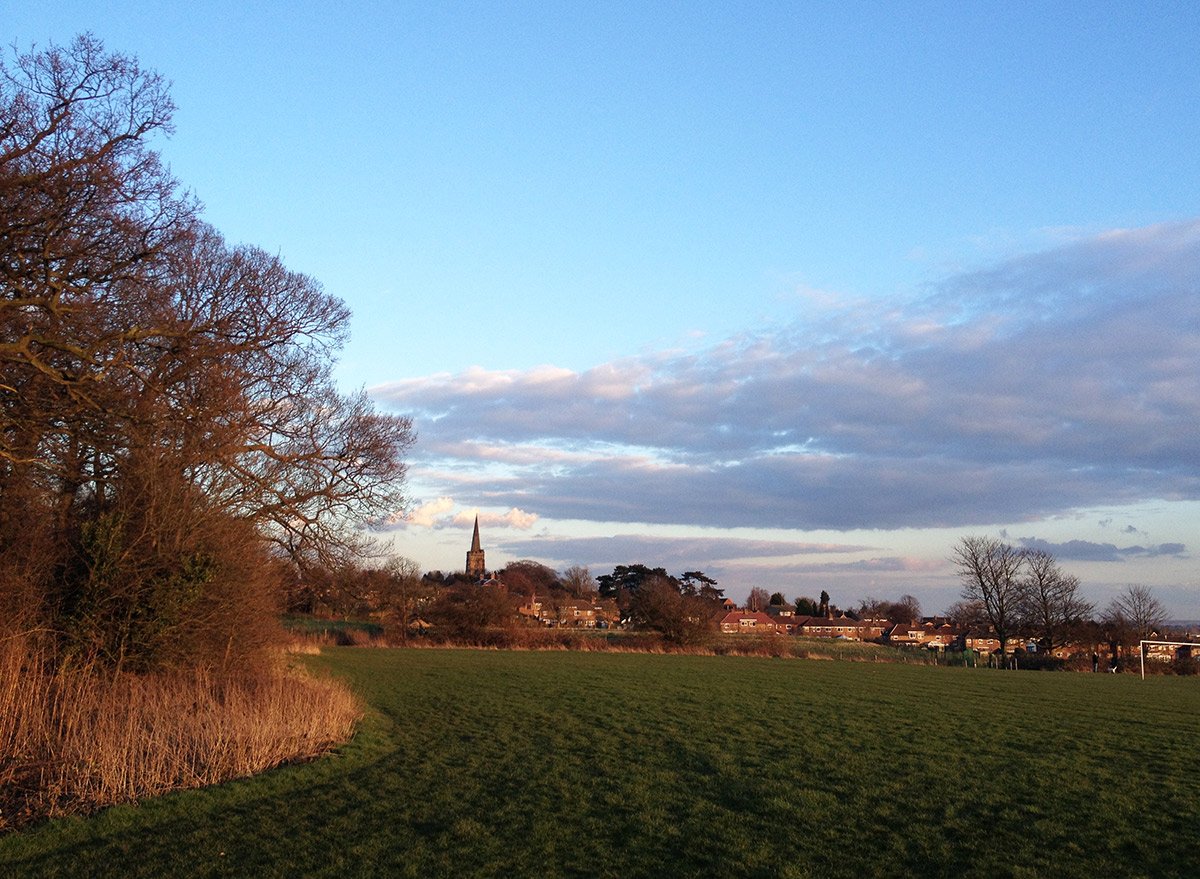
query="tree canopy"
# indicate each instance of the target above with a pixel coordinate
(167, 404)
(628, 578)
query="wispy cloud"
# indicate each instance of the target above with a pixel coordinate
(1055, 381)
(1088, 551)
(672, 553)
(875, 564)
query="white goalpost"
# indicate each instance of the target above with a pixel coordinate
(1142, 649)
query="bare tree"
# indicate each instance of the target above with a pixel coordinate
(990, 571)
(86, 212)
(1050, 599)
(527, 576)
(244, 367)
(968, 615)
(907, 608)
(870, 608)
(579, 582)
(1137, 612)
(758, 600)
(404, 592)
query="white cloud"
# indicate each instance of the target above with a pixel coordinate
(428, 515)
(514, 518)
(1051, 382)
(441, 513)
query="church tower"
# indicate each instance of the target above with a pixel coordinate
(475, 564)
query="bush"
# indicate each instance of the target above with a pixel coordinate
(1185, 665)
(478, 615)
(1041, 662)
(161, 579)
(683, 620)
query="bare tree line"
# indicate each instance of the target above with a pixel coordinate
(1026, 591)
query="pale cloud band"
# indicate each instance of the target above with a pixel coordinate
(1053, 382)
(443, 513)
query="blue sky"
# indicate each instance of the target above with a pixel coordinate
(796, 294)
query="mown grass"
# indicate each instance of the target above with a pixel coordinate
(493, 763)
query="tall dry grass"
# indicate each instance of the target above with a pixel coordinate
(73, 740)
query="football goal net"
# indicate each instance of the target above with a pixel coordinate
(1163, 649)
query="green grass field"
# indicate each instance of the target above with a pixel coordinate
(485, 763)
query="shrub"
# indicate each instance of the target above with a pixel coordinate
(478, 615)
(1041, 662)
(1185, 665)
(683, 620)
(161, 579)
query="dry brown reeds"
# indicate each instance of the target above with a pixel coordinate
(75, 739)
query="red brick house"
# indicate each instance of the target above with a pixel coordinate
(745, 622)
(932, 635)
(837, 627)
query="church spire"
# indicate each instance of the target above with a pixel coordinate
(476, 566)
